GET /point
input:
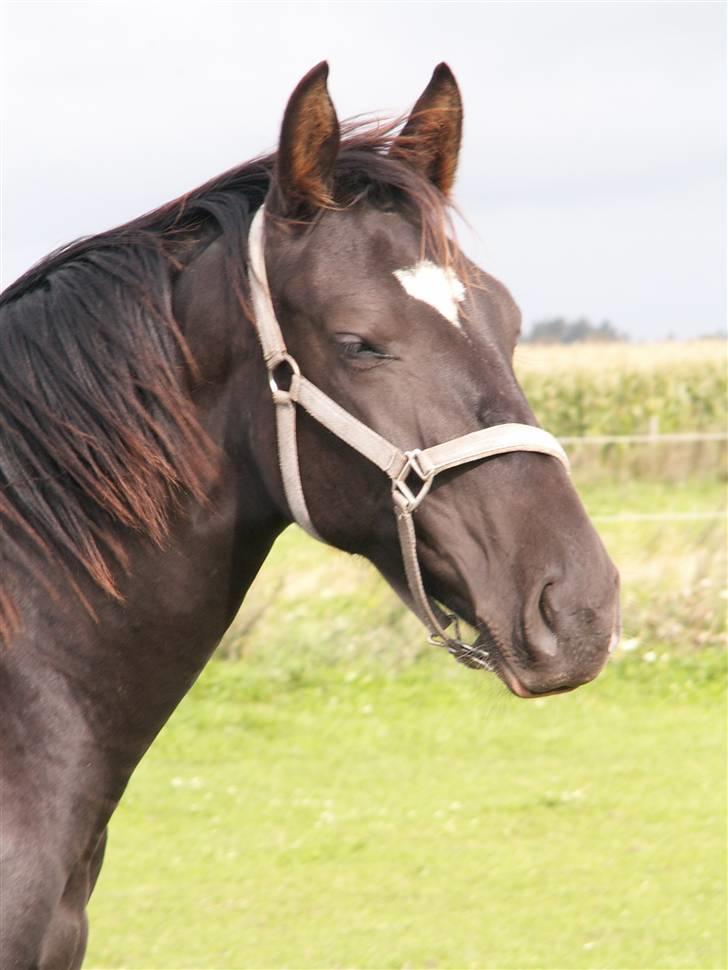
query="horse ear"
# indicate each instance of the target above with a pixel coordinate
(304, 167)
(430, 141)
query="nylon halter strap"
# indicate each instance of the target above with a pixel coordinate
(420, 466)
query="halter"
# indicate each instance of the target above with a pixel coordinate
(420, 466)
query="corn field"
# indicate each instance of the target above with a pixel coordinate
(601, 389)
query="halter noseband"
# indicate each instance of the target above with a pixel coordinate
(400, 466)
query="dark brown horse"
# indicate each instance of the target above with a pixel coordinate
(140, 465)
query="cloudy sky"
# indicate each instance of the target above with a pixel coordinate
(593, 166)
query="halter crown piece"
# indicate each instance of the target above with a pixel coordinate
(401, 467)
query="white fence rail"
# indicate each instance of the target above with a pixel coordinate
(653, 438)
(644, 439)
(661, 517)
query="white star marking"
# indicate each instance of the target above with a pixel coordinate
(436, 285)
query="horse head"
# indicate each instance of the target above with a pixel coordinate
(379, 311)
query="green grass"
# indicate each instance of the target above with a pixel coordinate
(424, 819)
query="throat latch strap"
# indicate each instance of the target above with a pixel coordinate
(411, 473)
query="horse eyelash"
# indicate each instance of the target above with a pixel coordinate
(359, 347)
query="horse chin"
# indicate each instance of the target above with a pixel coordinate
(485, 654)
(519, 688)
(536, 682)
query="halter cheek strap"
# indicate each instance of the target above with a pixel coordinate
(420, 466)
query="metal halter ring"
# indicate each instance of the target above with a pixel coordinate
(405, 499)
(273, 366)
(456, 641)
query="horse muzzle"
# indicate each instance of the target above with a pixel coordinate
(560, 645)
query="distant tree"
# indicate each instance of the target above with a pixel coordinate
(561, 331)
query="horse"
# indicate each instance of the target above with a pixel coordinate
(300, 339)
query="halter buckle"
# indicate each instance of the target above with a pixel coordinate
(404, 497)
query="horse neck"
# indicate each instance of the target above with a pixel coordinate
(127, 667)
(186, 595)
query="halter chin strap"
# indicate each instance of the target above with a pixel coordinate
(411, 472)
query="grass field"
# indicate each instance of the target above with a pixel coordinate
(424, 819)
(342, 795)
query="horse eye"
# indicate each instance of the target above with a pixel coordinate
(352, 346)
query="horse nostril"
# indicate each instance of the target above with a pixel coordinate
(545, 609)
(541, 627)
